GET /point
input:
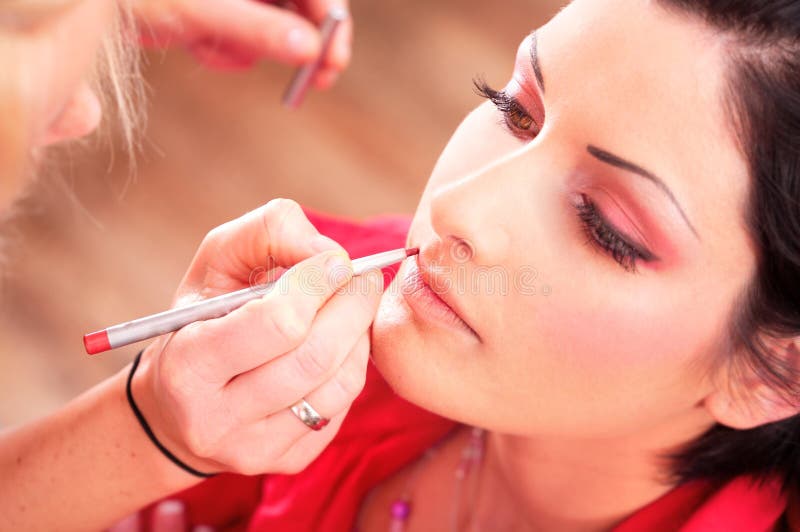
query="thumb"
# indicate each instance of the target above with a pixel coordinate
(276, 235)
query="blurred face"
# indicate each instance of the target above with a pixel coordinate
(582, 237)
(51, 63)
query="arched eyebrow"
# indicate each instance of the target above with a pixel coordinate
(537, 67)
(619, 162)
(603, 155)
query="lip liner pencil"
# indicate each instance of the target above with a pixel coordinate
(215, 307)
(297, 88)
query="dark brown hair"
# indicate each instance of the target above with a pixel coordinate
(764, 100)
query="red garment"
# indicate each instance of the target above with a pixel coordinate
(383, 433)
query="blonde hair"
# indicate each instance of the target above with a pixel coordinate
(118, 77)
(115, 76)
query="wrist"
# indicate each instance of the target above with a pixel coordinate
(93, 443)
(156, 423)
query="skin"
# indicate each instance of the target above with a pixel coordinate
(54, 98)
(585, 383)
(232, 34)
(595, 364)
(195, 387)
(71, 110)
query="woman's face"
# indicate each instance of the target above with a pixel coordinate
(50, 65)
(589, 242)
(60, 59)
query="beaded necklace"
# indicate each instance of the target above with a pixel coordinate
(471, 459)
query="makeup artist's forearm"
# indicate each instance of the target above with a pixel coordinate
(83, 467)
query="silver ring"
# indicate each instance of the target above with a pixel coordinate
(306, 413)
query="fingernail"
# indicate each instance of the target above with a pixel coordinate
(338, 263)
(301, 42)
(375, 278)
(343, 52)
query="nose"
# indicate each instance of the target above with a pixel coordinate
(471, 215)
(78, 118)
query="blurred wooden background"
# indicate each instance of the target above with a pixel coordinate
(217, 145)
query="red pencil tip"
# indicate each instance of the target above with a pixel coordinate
(412, 251)
(96, 342)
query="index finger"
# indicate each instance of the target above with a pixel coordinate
(276, 234)
(254, 29)
(265, 328)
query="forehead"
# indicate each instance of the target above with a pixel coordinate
(650, 85)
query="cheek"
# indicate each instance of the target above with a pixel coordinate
(603, 359)
(398, 349)
(80, 116)
(60, 60)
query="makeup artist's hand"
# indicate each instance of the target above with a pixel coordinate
(217, 393)
(233, 34)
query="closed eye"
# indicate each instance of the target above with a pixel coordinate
(604, 236)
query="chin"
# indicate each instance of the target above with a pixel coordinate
(417, 361)
(394, 336)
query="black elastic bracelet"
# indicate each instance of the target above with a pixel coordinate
(147, 430)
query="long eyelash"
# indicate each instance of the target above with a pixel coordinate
(603, 235)
(598, 231)
(503, 101)
(509, 107)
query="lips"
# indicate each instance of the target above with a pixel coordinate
(430, 305)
